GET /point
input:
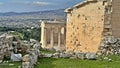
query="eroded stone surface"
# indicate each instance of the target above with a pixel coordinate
(30, 59)
(85, 27)
(89, 22)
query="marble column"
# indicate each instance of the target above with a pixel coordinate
(45, 40)
(43, 35)
(52, 38)
(64, 36)
(59, 37)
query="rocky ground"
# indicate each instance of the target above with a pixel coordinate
(32, 52)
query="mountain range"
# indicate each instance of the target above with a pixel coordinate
(57, 12)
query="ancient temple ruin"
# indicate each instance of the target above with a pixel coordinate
(53, 35)
(89, 22)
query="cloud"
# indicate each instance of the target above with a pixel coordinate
(34, 3)
(1, 3)
(42, 3)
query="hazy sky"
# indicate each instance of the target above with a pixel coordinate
(34, 5)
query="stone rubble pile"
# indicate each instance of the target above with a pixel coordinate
(30, 59)
(10, 44)
(79, 55)
(6, 47)
(109, 46)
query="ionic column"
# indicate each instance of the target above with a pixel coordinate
(59, 37)
(43, 35)
(64, 42)
(44, 39)
(52, 38)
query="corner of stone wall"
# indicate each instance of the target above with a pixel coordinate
(108, 43)
(107, 31)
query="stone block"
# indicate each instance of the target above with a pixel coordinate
(91, 56)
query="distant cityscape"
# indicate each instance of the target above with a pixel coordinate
(30, 19)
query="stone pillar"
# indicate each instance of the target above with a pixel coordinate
(43, 34)
(45, 41)
(52, 38)
(59, 37)
(64, 42)
(63, 35)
